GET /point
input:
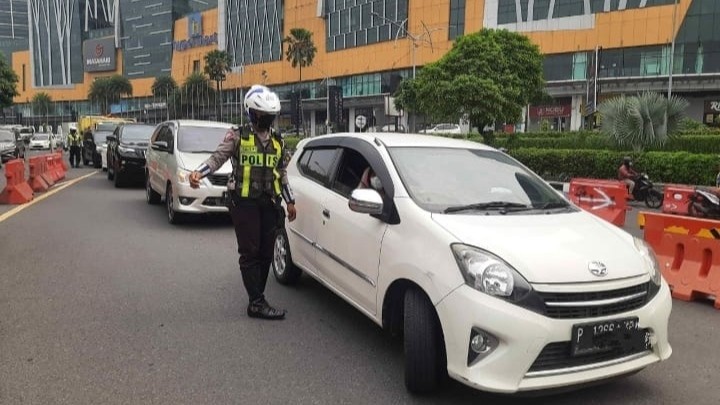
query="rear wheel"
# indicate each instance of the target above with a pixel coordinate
(152, 196)
(283, 268)
(653, 199)
(425, 361)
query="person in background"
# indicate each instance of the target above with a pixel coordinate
(75, 141)
(627, 174)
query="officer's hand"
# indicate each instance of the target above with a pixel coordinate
(195, 179)
(291, 212)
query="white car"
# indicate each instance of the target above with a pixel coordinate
(491, 275)
(41, 141)
(176, 149)
(443, 129)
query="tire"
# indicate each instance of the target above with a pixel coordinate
(86, 162)
(151, 196)
(693, 212)
(110, 174)
(97, 162)
(653, 199)
(284, 270)
(425, 359)
(173, 216)
(119, 181)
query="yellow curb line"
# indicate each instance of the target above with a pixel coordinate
(19, 208)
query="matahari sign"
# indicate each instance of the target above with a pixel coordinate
(99, 55)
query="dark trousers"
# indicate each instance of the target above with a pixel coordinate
(256, 222)
(75, 156)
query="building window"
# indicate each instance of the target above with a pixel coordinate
(254, 31)
(196, 66)
(457, 19)
(363, 22)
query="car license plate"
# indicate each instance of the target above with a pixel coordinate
(598, 337)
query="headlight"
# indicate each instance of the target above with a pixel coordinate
(183, 176)
(123, 149)
(489, 274)
(651, 263)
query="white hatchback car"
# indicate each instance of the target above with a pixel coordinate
(176, 149)
(491, 275)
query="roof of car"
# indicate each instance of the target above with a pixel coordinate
(399, 140)
(206, 124)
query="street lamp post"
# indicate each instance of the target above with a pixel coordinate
(326, 80)
(415, 39)
(672, 51)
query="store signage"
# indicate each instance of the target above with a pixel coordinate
(712, 106)
(202, 40)
(550, 111)
(99, 55)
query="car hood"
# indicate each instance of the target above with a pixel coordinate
(191, 161)
(7, 145)
(554, 248)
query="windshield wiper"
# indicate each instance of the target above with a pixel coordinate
(553, 204)
(492, 205)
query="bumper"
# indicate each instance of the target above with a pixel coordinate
(130, 166)
(523, 334)
(207, 198)
(7, 155)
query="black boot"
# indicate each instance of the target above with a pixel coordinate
(261, 309)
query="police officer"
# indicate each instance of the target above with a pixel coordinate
(75, 141)
(258, 182)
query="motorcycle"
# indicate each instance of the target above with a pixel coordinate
(704, 204)
(645, 191)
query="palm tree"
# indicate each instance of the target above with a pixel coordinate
(163, 87)
(196, 91)
(41, 103)
(641, 121)
(300, 53)
(217, 64)
(109, 90)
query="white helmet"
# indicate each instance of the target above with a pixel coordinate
(260, 98)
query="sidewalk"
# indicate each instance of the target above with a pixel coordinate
(70, 175)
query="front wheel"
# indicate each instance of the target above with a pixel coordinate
(152, 196)
(425, 360)
(653, 199)
(173, 216)
(283, 268)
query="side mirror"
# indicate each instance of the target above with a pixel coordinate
(160, 146)
(110, 138)
(366, 201)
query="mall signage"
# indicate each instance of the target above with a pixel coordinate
(99, 55)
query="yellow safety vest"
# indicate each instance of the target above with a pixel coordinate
(258, 168)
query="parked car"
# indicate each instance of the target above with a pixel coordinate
(8, 146)
(489, 274)
(392, 128)
(41, 140)
(443, 129)
(126, 152)
(95, 144)
(176, 149)
(23, 136)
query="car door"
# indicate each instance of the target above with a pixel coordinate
(310, 179)
(349, 242)
(155, 163)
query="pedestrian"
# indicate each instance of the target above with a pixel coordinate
(75, 141)
(256, 187)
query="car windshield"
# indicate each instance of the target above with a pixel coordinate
(106, 126)
(200, 139)
(41, 137)
(101, 136)
(137, 133)
(466, 180)
(7, 136)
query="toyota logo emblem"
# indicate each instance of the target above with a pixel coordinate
(597, 269)
(99, 49)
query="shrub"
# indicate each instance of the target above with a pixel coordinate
(663, 167)
(684, 143)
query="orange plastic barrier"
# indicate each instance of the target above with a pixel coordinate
(677, 199)
(17, 190)
(36, 181)
(52, 168)
(63, 163)
(44, 173)
(605, 198)
(688, 251)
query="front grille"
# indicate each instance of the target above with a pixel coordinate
(559, 305)
(219, 179)
(558, 355)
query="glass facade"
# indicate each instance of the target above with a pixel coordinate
(352, 23)
(508, 12)
(371, 84)
(13, 19)
(254, 31)
(457, 19)
(147, 37)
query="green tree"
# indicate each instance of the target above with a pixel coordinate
(217, 65)
(646, 120)
(489, 76)
(195, 94)
(8, 85)
(109, 90)
(41, 103)
(163, 87)
(300, 50)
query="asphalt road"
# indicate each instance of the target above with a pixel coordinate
(103, 302)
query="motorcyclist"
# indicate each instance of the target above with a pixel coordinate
(627, 174)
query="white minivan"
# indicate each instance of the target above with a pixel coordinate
(176, 149)
(490, 275)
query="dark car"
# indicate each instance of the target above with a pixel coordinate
(22, 138)
(93, 141)
(9, 148)
(126, 152)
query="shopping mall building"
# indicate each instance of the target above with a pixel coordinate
(61, 46)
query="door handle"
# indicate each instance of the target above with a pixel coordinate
(326, 213)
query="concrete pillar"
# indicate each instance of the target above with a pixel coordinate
(312, 123)
(351, 119)
(576, 118)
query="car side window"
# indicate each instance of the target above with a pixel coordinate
(318, 164)
(156, 135)
(350, 172)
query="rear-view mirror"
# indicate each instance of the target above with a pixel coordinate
(161, 146)
(110, 138)
(366, 201)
